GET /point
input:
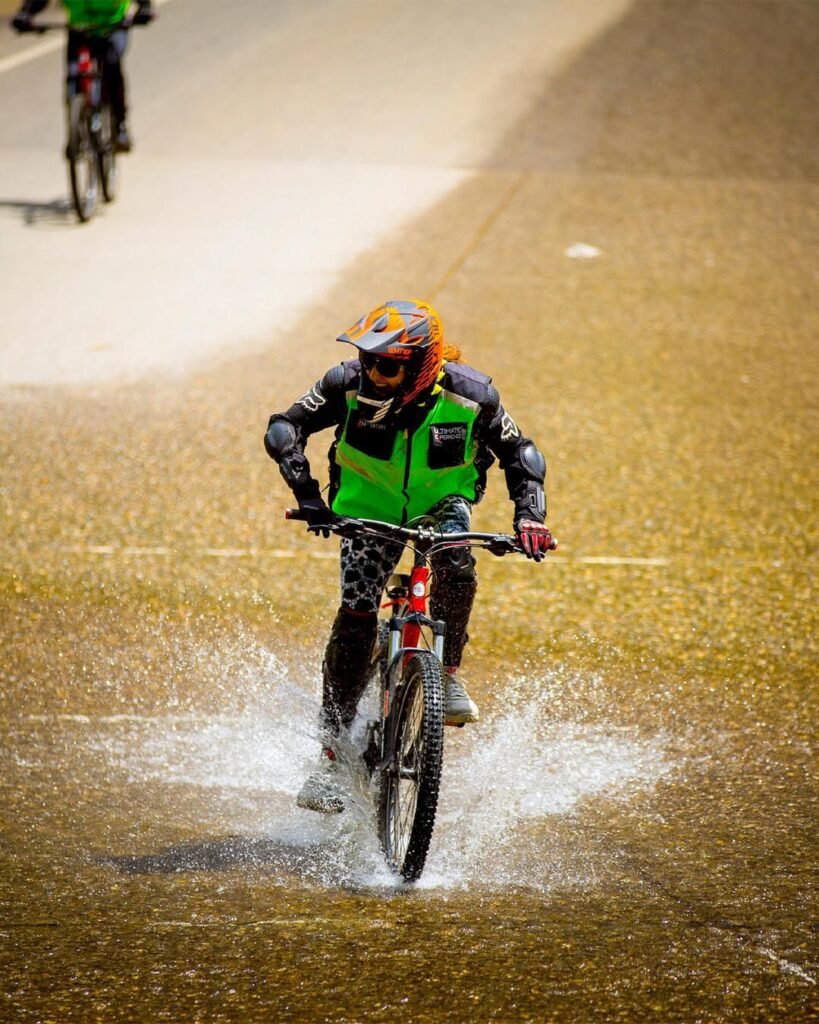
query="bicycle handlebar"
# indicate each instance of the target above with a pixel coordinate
(41, 27)
(427, 536)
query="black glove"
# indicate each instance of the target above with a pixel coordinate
(319, 517)
(143, 14)
(21, 22)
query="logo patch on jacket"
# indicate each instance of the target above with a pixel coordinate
(375, 439)
(447, 445)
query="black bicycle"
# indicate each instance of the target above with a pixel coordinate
(404, 747)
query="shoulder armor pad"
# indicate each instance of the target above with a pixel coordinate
(469, 383)
(456, 370)
(337, 377)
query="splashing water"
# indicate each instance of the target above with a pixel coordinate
(235, 773)
(504, 780)
(520, 769)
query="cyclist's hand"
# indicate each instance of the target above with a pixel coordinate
(535, 538)
(143, 15)
(21, 22)
(319, 517)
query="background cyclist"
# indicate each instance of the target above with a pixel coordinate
(101, 22)
(415, 432)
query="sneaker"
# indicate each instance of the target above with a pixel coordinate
(122, 143)
(460, 707)
(320, 791)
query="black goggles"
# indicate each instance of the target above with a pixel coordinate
(385, 365)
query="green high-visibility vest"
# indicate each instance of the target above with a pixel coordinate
(95, 13)
(402, 474)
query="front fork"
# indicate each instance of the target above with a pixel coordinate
(403, 638)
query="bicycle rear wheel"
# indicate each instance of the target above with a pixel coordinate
(106, 154)
(82, 158)
(410, 784)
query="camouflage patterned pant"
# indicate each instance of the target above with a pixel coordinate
(367, 564)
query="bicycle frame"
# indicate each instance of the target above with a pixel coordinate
(408, 595)
(84, 76)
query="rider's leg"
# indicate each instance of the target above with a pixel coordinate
(113, 51)
(454, 585)
(365, 569)
(366, 566)
(71, 48)
(346, 661)
(344, 675)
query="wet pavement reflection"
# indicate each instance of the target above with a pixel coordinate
(630, 833)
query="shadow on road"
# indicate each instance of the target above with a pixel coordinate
(228, 853)
(58, 211)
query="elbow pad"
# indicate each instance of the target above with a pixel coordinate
(281, 442)
(530, 500)
(280, 439)
(532, 462)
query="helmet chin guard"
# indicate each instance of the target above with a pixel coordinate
(372, 407)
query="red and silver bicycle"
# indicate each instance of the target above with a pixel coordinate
(405, 745)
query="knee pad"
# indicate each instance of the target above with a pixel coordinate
(455, 566)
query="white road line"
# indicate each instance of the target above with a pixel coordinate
(290, 553)
(32, 53)
(42, 48)
(117, 719)
(289, 922)
(615, 560)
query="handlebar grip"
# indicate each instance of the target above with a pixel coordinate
(295, 513)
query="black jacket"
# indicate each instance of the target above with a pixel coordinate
(497, 434)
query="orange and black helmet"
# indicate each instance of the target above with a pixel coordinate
(407, 330)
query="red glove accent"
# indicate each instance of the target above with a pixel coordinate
(535, 538)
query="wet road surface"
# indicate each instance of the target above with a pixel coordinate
(630, 833)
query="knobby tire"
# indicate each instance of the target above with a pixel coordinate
(408, 798)
(82, 158)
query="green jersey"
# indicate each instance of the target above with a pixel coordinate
(409, 471)
(95, 14)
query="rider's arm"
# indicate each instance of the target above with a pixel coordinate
(323, 406)
(519, 458)
(144, 13)
(27, 10)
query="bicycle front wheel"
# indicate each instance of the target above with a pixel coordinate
(82, 158)
(410, 783)
(106, 154)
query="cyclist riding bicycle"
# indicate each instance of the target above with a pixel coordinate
(415, 432)
(101, 22)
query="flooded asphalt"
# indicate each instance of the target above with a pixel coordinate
(630, 832)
